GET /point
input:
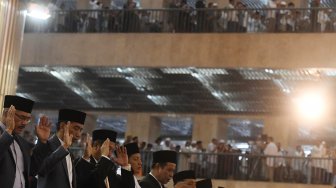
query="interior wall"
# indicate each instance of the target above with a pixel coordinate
(181, 50)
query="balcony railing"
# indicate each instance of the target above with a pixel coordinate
(188, 21)
(246, 167)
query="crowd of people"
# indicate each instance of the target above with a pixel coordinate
(49, 163)
(263, 160)
(102, 161)
(187, 16)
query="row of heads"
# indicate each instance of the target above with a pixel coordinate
(26, 105)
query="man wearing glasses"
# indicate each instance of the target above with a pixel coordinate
(14, 150)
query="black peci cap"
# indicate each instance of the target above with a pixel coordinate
(206, 183)
(71, 115)
(103, 134)
(20, 103)
(183, 175)
(164, 156)
(132, 148)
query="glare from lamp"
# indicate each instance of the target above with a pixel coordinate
(311, 106)
(38, 11)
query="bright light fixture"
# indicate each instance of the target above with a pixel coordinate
(311, 105)
(38, 11)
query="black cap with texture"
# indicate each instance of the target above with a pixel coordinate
(20, 103)
(103, 134)
(206, 183)
(183, 175)
(164, 156)
(71, 115)
(132, 148)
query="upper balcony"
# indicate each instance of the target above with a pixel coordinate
(188, 20)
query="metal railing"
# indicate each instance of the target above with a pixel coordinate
(188, 21)
(247, 167)
(235, 166)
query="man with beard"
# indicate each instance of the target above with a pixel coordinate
(163, 167)
(14, 150)
(95, 169)
(52, 160)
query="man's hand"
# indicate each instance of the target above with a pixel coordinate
(9, 120)
(105, 148)
(67, 137)
(43, 129)
(121, 158)
(88, 148)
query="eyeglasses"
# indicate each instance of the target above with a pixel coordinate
(23, 118)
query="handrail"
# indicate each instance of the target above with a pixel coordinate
(249, 167)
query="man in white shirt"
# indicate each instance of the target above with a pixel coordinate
(272, 150)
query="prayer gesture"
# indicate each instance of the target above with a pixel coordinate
(121, 158)
(9, 119)
(43, 129)
(105, 148)
(88, 148)
(67, 137)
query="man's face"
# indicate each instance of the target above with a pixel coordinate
(136, 163)
(76, 130)
(22, 119)
(166, 172)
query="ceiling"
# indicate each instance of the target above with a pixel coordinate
(170, 90)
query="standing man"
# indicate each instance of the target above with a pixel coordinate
(134, 158)
(163, 167)
(14, 150)
(95, 169)
(51, 159)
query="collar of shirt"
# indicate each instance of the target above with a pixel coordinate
(150, 173)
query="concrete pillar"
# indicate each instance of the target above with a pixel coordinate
(222, 129)
(143, 125)
(205, 128)
(12, 20)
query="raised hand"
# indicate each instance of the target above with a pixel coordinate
(122, 158)
(43, 129)
(67, 137)
(9, 120)
(88, 148)
(105, 148)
